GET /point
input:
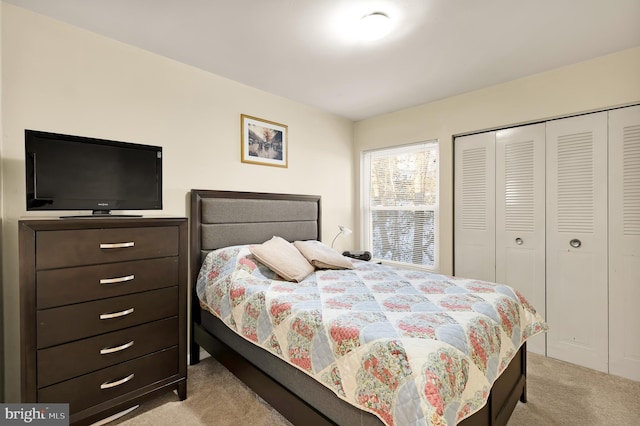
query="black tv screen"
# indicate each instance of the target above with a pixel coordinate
(65, 172)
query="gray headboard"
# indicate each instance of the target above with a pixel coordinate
(226, 218)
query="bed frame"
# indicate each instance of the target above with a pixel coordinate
(225, 218)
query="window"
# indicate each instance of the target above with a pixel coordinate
(400, 204)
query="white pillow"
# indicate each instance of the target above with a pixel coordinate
(282, 258)
(322, 256)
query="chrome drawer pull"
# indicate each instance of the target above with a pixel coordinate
(117, 245)
(117, 280)
(116, 314)
(107, 385)
(116, 348)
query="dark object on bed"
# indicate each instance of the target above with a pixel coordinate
(224, 218)
(360, 255)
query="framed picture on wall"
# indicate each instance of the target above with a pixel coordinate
(263, 142)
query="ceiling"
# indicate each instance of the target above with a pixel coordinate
(302, 49)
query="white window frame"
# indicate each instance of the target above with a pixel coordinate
(366, 208)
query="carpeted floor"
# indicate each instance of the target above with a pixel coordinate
(559, 394)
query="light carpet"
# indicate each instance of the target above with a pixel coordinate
(559, 393)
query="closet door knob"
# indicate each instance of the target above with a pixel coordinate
(519, 241)
(575, 243)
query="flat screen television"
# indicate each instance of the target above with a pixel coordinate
(65, 172)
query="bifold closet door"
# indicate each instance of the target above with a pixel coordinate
(520, 216)
(624, 242)
(577, 266)
(474, 217)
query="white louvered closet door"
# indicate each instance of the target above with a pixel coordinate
(520, 216)
(577, 274)
(624, 242)
(474, 223)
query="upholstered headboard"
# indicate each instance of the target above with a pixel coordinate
(227, 218)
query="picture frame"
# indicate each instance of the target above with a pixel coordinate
(264, 142)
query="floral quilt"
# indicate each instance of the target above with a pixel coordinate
(412, 347)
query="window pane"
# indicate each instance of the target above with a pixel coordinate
(401, 203)
(404, 236)
(404, 180)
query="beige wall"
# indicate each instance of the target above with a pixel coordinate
(62, 79)
(600, 83)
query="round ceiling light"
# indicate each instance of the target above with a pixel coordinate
(374, 26)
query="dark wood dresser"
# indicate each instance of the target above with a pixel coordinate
(103, 312)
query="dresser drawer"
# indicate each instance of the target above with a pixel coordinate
(100, 386)
(58, 249)
(73, 322)
(56, 287)
(67, 361)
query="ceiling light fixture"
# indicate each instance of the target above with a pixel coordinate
(374, 26)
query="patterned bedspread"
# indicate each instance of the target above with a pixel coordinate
(412, 347)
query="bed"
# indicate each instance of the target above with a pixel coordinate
(231, 222)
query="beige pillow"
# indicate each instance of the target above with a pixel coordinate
(283, 259)
(322, 256)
